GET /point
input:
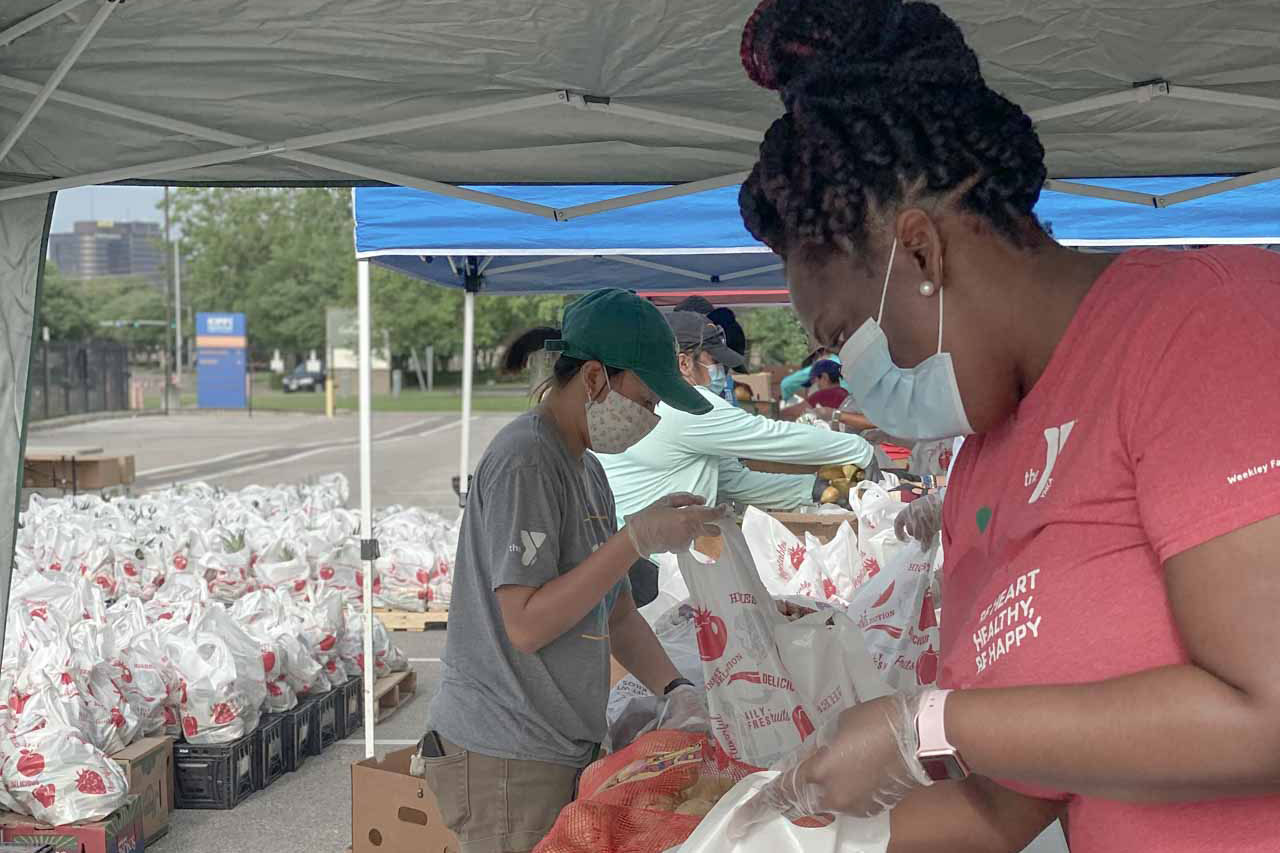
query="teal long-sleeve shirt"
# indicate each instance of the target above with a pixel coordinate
(701, 454)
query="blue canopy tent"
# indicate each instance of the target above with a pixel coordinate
(674, 246)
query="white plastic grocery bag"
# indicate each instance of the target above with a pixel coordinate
(792, 565)
(57, 777)
(893, 600)
(779, 556)
(829, 664)
(757, 715)
(779, 835)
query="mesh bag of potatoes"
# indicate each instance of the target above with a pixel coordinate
(647, 798)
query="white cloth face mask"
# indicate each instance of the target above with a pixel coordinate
(617, 422)
(919, 403)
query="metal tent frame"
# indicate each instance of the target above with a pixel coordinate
(301, 151)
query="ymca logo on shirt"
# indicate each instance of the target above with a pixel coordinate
(531, 541)
(1055, 438)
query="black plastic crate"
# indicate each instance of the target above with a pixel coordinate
(269, 760)
(214, 777)
(352, 717)
(327, 708)
(298, 725)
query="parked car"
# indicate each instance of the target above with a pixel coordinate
(302, 379)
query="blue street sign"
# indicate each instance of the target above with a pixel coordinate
(221, 361)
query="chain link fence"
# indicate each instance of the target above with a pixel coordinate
(75, 379)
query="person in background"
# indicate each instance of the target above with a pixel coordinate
(793, 384)
(735, 338)
(702, 455)
(540, 592)
(1110, 583)
(823, 389)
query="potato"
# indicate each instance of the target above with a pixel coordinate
(852, 472)
(656, 802)
(696, 808)
(830, 495)
(831, 472)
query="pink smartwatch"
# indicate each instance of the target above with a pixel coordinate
(941, 761)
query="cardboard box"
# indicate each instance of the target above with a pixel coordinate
(149, 765)
(761, 384)
(120, 832)
(56, 471)
(393, 812)
(823, 525)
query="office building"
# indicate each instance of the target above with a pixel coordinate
(110, 249)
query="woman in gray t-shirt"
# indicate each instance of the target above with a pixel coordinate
(540, 592)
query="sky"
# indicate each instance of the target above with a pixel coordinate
(118, 203)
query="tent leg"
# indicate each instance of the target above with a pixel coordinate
(368, 550)
(468, 367)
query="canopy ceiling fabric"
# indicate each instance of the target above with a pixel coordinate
(271, 70)
(698, 243)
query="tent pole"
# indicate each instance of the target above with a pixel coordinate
(368, 548)
(26, 25)
(55, 79)
(468, 366)
(292, 147)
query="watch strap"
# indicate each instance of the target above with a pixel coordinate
(677, 682)
(936, 754)
(931, 721)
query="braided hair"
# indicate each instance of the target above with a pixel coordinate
(885, 106)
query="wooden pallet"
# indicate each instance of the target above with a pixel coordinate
(392, 691)
(404, 620)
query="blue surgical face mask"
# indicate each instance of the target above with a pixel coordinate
(921, 402)
(718, 378)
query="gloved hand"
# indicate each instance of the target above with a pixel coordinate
(686, 711)
(921, 519)
(672, 523)
(860, 765)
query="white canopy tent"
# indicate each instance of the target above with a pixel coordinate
(435, 95)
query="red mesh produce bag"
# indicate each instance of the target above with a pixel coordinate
(625, 799)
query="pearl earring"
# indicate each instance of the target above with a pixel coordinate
(927, 288)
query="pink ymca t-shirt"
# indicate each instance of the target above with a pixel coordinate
(1154, 428)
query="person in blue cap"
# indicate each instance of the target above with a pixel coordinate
(540, 591)
(823, 389)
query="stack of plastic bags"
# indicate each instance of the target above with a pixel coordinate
(278, 538)
(189, 612)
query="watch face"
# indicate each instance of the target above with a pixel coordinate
(941, 766)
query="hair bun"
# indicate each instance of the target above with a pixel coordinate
(812, 46)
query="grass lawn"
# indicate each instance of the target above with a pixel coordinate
(483, 400)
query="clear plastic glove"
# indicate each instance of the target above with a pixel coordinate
(672, 523)
(921, 519)
(686, 711)
(862, 764)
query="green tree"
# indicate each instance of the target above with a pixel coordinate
(775, 335)
(278, 255)
(63, 307)
(128, 300)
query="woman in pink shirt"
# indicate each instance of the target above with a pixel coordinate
(1111, 591)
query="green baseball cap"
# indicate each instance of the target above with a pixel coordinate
(619, 329)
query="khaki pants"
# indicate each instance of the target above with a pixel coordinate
(496, 805)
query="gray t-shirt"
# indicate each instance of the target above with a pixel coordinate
(533, 514)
